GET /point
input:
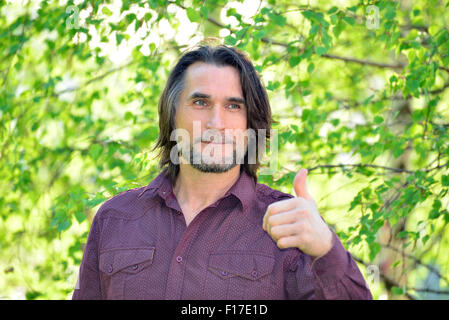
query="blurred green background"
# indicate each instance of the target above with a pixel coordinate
(359, 90)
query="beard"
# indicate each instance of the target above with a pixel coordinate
(206, 164)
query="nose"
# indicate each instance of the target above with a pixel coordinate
(217, 119)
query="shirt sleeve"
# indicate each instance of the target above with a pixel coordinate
(334, 276)
(88, 284)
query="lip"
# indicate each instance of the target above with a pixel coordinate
(210, 142)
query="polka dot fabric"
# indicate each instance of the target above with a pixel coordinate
(139, 247)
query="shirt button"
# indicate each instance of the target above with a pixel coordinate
(179, 258)
(135, 267)
(254, 273)
(224, 273)
(110, 269)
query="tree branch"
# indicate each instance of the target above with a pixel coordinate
(388, 281)
(417, 261)
(285, 45)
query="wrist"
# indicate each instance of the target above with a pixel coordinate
(327, 247)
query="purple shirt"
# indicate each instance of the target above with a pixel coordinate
(139, 247)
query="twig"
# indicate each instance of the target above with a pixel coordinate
(285, 45)
(361, 165)
(417, 261)
(388, 281)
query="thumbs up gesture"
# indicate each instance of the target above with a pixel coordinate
(296, 222)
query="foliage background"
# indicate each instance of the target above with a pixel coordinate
(363, 105)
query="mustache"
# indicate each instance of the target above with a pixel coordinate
(223, 141)
(217, 139)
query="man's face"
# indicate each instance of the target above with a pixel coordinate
(212, 100)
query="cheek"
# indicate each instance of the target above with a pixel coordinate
(186, 120)
(238, 122)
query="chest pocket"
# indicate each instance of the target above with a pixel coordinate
(123, 271)
(239, 275)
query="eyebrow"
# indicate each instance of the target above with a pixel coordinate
(199, 95)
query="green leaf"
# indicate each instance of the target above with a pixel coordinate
(193, 15)
(273, 85)
(130, 18)
(204, 12)
(99, 198)
(294, 60)
(349, 20)
(320, 50)
(32, 295)
(148, 16)
(374, 250)
(119, 37)
(402, 234)
(277, 19)
(311, 67)
(398, 291)
(95, 151)
(398, 262)
(378, 120)
(64, 225)
(338, 28)
(332, 10)
(80, 216)
(310, 15)
(335, 122)
(230, 40)
(314, 30)
(445, 180)
(106, 11)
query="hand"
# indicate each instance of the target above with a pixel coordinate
(296, 222)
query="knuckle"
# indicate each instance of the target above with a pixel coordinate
(275, 232)
(305, 212)
(303, 238)
(281, 243)
(297, 214)
(271, 208)
(268, 209)
(299, 202)
(305, 227)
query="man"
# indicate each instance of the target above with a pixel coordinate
(204, 228)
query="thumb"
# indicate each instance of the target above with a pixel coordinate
(300, 185)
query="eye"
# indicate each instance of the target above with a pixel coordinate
(234, 106)
(201, 103)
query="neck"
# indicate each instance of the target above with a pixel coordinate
(195, 190)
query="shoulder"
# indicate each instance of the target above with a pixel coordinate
(124, 205)
(268, 195)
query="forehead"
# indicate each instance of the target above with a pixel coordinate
(212, 79)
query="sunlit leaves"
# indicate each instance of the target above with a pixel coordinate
(374, 99)
(193, 15)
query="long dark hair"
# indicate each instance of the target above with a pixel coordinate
(254, 93)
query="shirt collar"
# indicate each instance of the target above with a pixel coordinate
(161, 183)
(243, 189)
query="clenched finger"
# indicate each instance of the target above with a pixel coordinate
(284, 230)
(282, 206)
(288, 242)
(286, 217)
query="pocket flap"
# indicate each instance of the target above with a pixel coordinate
(114, 260)
(251, 266)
